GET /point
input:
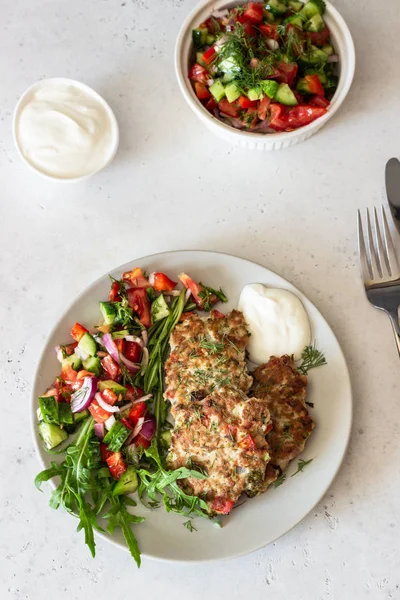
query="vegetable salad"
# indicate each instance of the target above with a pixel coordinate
(109, 394)
(265, 67)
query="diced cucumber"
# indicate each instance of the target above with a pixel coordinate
(228, 77)
(276, 7)
(210, 40)
(73, 361)
(295, 20)
(270, 87)
(51, 434)
(81, 416)
(217, 89)
(200, 61)
(269, 17)
(159, 309)
(116, 437)
(109, 384)
(327, 49)
(314, 57)
(199, 36)
(313, 7)
(127, 483)
(108, 311)
(120, 335)
(93, 365)
(253, 94)
(232, 92)
(49, 409)
(322, 76)
(229, 65)
(65, 414)
(296, 6)
(315, 24)
(302, 86)
(284, 95)
(166, 438)
(88, 344)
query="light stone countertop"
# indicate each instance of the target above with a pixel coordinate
(174, 186)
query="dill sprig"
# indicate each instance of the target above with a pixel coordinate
(311, 359)
(300, 465)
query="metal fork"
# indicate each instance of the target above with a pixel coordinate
(379, 268)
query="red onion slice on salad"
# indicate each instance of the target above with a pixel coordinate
(333, 58)
(131, 366)
(104, 405)
(148, 428)
(135, 431)
(99, 430)
(83, 397)
(132, 338)
(109, 423)
(152, 278)
(145, 337)
(110, 346)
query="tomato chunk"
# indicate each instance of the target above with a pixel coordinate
(199, 74)
(162, 283)
(278, 119)
(209, 55)
(116, 464)
(314, 85)
(247, 103)
(201, 91)
(133, 393)
(132, 351)
(270, 31)
(286, 72)
(111, 367)
(320, 101)
(304, 114)
(141, 441)
(263, 108)
(136, 278)
(319, 38)
(222, 506)
(253, 13)
(211, 104)
(227, 108)
(114, 292)
(78, 331)
(109, 396)
(98, 413)
(139, 301)
(138, 410)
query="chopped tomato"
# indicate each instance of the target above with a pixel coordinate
(53, 391)
(286, 72)
(68, 373)
(249, 29)
(209, 55)
(104, 452)
(250, 119)
(78, 331)
(222, 506)
(227, 108)
(263, 108)
(120, 343)
(140, 440)
(201, 91)
(271, 31)
(114, 292)
(314, 85)
(186, 315)
(303, 114)
(82, 374)
(162, 283)
(133, 393)
(217, 314)
(320, 101)
(70, 348)
(211, 104)
(110, 367)
(136, 278)
(98, 413)
(109, 396)
(253, 13)
(116, 464)
(246, 103)
(138, 410)
(248, 443)
(127, 424)
(319, 38)
(139, 301)
(132, 351)
(193, 286)
(277, 117)
(199, 74)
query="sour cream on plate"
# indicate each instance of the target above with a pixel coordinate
(277, 320)
(64, 129)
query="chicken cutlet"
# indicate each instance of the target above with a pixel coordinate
(283, 389)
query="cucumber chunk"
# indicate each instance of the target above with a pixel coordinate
(296, 6)
(284, 95)
(127, 483)
(51, 434)
(88, 344)
(276, 7)
(270, 87)
(73, 361)
(93, 365)
(312, 8)
(108, 311)
(166, 438)
(295, 20)
(112, 385)
(253, 94)
(232, 92)
(159, 309)
(315, 24)
(217, 89)
(49, 409)
(199, 36)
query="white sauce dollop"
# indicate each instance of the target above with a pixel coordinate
(64, 130)
(277, 320)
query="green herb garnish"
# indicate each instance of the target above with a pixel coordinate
(311, 359)
(300, 465)
(279, 480)
(188, 524)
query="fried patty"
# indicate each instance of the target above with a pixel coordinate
(283, 388)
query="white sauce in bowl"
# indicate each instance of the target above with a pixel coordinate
(65, 130)
(277, 320)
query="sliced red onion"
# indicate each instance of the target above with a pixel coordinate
(333, 58)
(210, 82)
(145, 359)
(81, 353)
(131, 366)
(83, 397)
(109, 423)
(136, 431)
(145, 337)
(59, 353)
(110, 346)
(151, 278)
(132, 338)
(99, 430)
(104, 405)
(272, 44)
(148, 429)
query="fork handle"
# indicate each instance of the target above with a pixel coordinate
(394, 318)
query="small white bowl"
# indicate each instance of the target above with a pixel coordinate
(344, 46)
(88, 90)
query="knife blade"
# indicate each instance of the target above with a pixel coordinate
(392, 179)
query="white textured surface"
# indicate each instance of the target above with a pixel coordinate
(174, 185)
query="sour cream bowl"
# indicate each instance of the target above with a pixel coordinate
(64, 130)
(344, 46)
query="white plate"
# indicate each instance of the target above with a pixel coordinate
(260, 520)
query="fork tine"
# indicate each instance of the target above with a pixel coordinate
(390, 255)
(365, 268)
(371, 251)
(380, 251)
